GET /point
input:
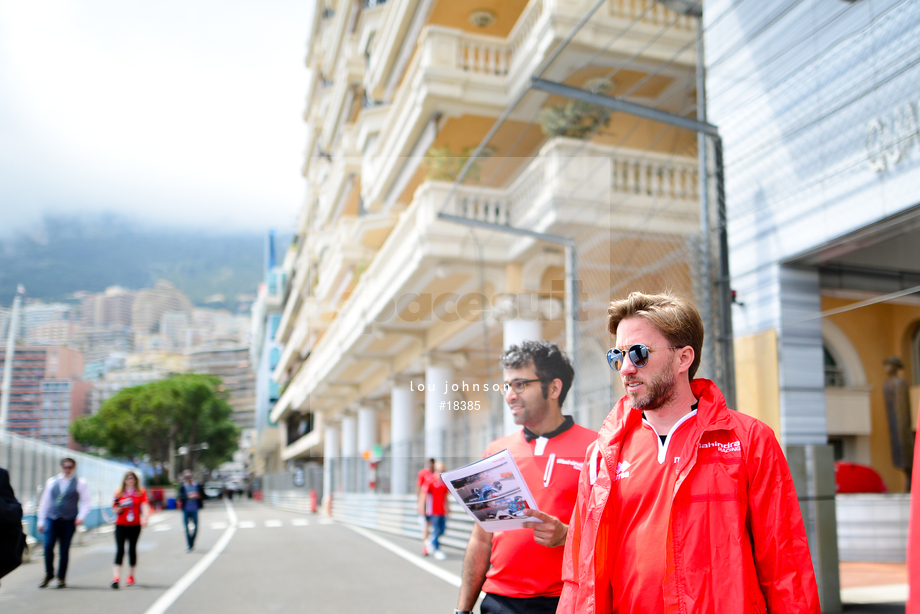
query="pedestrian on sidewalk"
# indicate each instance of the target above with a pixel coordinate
(683, 504)
(521, 571)
(191, 496)
(132, 509)
(64, 505)
(433, 505)
(421, 480)
(12, 539)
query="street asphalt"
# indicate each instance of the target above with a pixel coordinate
(253, 558)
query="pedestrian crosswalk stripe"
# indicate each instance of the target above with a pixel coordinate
(161, 527)
(300, 522)
(273, 523)
(247, 524)
(218, 525)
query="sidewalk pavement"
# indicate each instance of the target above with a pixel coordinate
(873, 587)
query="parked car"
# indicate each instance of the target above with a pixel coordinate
(214, 490)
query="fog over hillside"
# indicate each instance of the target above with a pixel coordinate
(65, 254)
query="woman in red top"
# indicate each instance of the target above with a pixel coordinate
(132, 509)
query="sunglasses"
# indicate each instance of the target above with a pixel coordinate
(638, 355)
(67, 466)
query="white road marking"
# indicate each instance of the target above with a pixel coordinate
(161, 528)
(109, 528)
(412, 558)
(218, 525)
(325, 520)
(300, 522)
(247, 524)
(273, 523)
(169, 597)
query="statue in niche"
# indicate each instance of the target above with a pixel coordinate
(897, 408)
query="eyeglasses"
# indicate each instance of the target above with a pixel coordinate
(638, 355)
(67, 466)
(518, 385)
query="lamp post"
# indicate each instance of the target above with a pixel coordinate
(185, 450)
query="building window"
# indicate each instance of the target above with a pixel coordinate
(833, 374)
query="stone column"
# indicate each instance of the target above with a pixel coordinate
(332, 463)
(521, 321)
(367, 439)
(401, 431)
(437, 416)
(349, 452)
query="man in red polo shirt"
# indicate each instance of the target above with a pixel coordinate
(521, 571)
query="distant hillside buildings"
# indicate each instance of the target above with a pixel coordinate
(70, 358)
(46, 392)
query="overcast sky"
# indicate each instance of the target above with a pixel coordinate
(175, 112)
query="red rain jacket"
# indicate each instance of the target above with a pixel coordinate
(736, 540)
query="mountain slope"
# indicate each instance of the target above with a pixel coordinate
(68, 254)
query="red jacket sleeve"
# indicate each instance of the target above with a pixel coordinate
(779, 541)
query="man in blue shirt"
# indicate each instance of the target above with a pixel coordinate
(191, 495)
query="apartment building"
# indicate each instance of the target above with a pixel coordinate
(46, 392)
(264, 353)
(231, 365)
(110, 309)
(408, 277)
(151, 303)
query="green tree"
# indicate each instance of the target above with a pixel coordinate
(157, 418)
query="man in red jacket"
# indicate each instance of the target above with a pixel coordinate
(520, 571)
(683, 505)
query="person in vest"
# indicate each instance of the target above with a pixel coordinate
(64, 504)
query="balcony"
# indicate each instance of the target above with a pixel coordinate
(485, 73)
(570, 183)
(497, 53)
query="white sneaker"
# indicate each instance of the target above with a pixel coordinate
(439, 555)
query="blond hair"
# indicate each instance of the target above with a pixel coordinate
(675, 317)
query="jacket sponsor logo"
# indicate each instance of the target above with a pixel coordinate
(574, 464)
(724, 448)
(622, 471)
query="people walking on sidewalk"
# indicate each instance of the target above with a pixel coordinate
(132, 510)
(191, 495)
(521, 570)
(683, 504)
(433, 506)
(63, 507)
(424, 474)
(12, 539)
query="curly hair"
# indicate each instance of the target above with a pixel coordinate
(548, 361)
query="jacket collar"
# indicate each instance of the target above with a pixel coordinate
(712, 413)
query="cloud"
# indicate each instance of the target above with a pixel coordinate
(174, 112)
